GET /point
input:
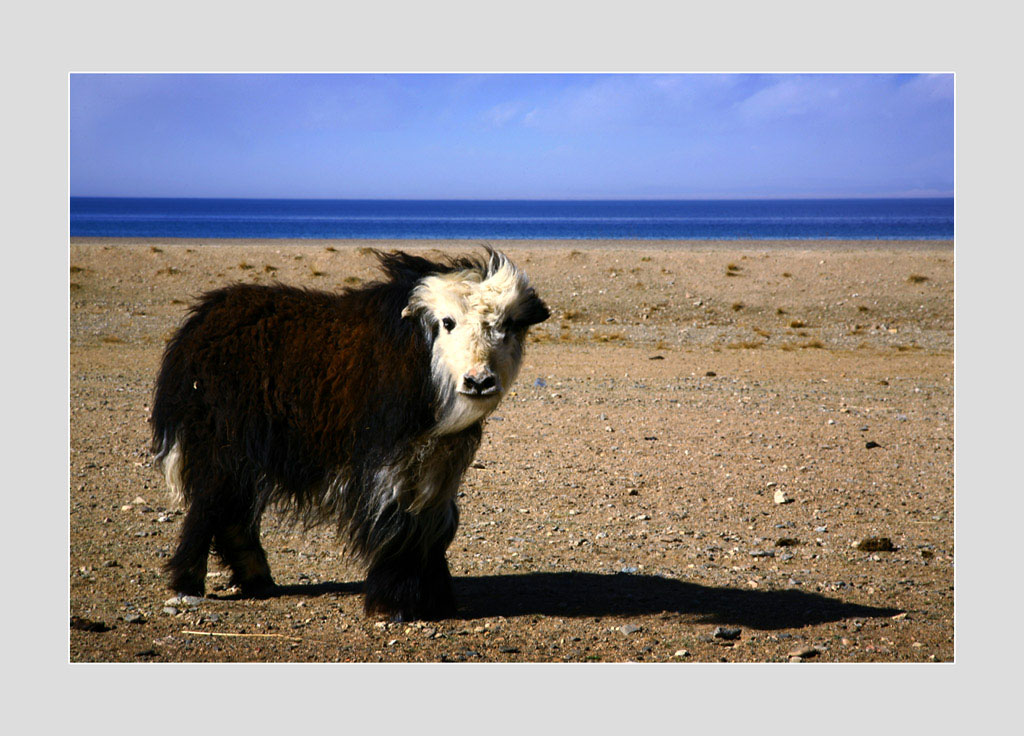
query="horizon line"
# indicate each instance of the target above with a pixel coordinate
(528, 199)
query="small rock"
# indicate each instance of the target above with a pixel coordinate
(682, 653)
(804, 652)
(871, 445)
(540, 383)
(134, 618)
(876, 544)
(724, 632)
(710, 374)
(629, 570)
(781, 497)
(170, 610)
(508, 650)
(628, 629)
(80, 623)
(787, 542)
(762, 553)
(184, 600)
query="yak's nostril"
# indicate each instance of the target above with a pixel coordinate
(481, 383)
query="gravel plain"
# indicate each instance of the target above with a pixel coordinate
(736, 451)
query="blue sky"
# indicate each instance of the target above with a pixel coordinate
(521, 136)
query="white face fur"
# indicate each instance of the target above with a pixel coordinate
(477, 322)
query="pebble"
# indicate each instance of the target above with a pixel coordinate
(682, 653)
(540, 383)
(134, 618)
(628, 629)
(629, 570)
(876, 544)
(780, 497)
(804, 652)
(762, 553)
(170, 610)
(871, 445)
(724, 632)
(184, 600)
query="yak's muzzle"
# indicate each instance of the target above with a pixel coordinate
(479, 382)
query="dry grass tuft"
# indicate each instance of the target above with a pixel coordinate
(364, 251)
(916, 278)
(245, 266)
(77, 269)
(353, 280)
(331, 249)
(786, 275)
(314, 272)
(745, 345)
(169, 271)
(762, 333)
(813, 344)
(737, 306)
(111, 339)
(154, 249)
(269, 269)
(572, 315)
(797, 323)
(780, 310)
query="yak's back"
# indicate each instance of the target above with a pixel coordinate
(283, 372)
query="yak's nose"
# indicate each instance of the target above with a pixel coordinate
(479, 382)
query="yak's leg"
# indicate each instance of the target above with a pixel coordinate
(409, 579)
(187, 567)
(238, 544)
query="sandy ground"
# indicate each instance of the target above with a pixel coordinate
(622, 506)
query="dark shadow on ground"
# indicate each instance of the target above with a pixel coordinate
(580, 594)
(576, 594)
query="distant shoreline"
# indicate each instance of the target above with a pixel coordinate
(579, 244)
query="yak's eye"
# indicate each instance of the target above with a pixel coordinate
(449, 323)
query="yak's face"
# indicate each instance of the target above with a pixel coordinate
(477, 321)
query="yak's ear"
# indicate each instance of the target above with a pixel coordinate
(416, 303)
(533, 311)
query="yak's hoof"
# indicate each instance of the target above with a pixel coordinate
(401, 614)
(257, 588)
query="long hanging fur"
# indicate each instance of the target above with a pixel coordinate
(337, 408)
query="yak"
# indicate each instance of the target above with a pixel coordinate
(360, 408)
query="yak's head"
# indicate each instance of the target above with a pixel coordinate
(477, 315)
